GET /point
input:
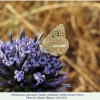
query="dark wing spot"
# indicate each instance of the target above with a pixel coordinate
(58, 32)
(53, 40)
(53, 36)
(58, 35)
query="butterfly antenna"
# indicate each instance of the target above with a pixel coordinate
(41, 36)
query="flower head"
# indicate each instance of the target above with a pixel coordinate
(24, 67)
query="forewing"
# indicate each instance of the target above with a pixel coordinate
(57, 32)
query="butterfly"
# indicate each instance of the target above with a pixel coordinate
(55, 43)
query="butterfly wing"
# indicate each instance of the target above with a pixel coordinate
(57, 46)
(55, 43)
(57, 32)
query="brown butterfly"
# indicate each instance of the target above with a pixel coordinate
(55, 43)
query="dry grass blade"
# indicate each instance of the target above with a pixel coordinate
(46, 21)
(31, 27)
(81, 72)
(34, 11)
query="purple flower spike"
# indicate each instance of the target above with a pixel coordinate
(22, 86)
(4, 72)
(39, 78)
(22, 35)
(19, 75)
(26, 66)
(11, 39)
(11, 82)
(2, 84)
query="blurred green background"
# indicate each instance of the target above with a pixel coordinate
(82, 25)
